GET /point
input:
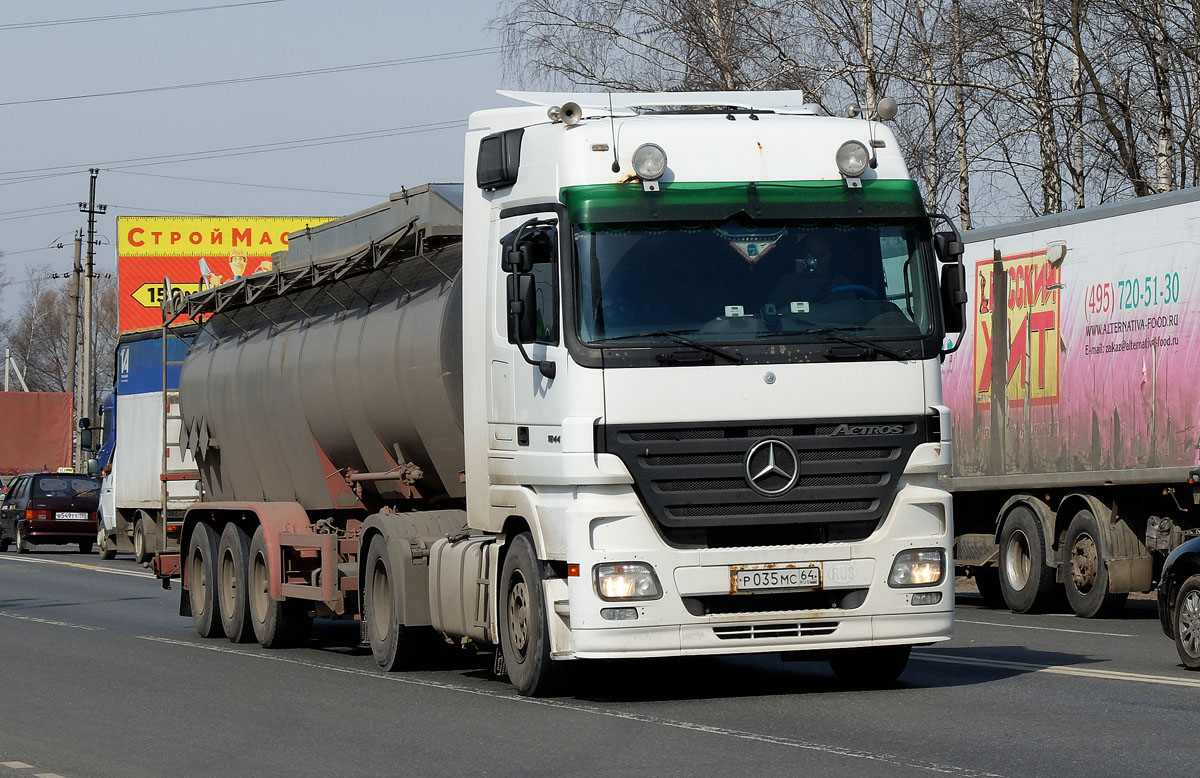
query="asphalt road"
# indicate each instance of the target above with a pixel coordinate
(99, 676)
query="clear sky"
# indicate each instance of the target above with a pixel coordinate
(141, 52)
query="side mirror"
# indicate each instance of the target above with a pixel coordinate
(93, 468)
(522, 309)
(948, 247)
(533, 248)
(85, 439)
(954, 297)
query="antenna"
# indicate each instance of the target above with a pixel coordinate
(616, 165)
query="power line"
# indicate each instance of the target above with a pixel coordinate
(242, 183)
(39, 178)
(272, 76)
(287, 144)
(35, 215)
(137, 15)
(39, 208)
(30, 251)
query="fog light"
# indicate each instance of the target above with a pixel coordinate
(917, 567)
(853, 158)
(618, 614)
(627, 581)
(649, 162)
(926, 598)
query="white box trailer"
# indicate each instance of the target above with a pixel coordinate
(1076, 399)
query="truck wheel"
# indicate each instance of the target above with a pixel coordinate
(524, 634)
(1187, 623)
(140, 555)
(232, 589)
(106, 551)
(23, 545)
(1027, 583)
(390, 643)
(876, 666)
(202, 580)
(1085, 570)
(987, 579)
(85, 546)
(276, 623)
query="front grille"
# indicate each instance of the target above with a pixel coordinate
(692, 478)
(778, 602)
(760, 631)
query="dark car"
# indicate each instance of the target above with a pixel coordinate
(1179, 601)
(48, 508)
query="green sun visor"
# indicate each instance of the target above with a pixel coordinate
(676, 202)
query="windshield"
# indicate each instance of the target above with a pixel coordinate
(65, 486)
(739, 280)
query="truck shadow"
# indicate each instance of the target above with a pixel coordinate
(1134, 610)
(768, 676)
(32, 603)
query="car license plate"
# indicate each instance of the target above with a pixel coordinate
(745, 579)
(68, 516)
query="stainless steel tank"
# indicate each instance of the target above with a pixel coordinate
(325, 371)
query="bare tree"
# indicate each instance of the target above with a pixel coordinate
(39, 334)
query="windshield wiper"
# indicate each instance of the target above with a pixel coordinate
(840, 333)
(735, 357)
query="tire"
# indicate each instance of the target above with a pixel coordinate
(1085, 573)
(140, 546)
(390, 644)
(1186, 623)
(106, 551)
(233, 559)
(202, 579)
(524, 634)
(987, 579)
(276, 623)
(1027, 583)
(85, 546)
(868, 667)
(23, 545)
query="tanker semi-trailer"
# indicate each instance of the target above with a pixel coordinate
(661, 380)
(1076, 386)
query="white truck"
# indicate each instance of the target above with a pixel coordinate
(1075, 395)
(151, 481)
(662, 379)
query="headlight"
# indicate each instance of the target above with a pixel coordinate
(917, 567)
(650, 161)
(853, 158)
(627, 581)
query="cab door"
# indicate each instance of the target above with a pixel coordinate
(538, 361)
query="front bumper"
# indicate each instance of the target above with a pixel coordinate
(697, 614)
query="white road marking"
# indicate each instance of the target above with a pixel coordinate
(51, 622)
(46, 775)
(17, 765)
(80, 565)
(889, 759)
(1083, 672)
(1047, 629)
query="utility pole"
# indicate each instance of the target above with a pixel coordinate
(91, 209)
(76, 270)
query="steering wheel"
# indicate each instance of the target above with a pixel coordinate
(871, 294)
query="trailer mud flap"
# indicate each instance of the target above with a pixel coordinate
(1130, 575)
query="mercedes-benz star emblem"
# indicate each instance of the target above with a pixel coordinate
(771, 467)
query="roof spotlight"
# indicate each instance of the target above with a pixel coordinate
(649, 163)
(853, 159)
